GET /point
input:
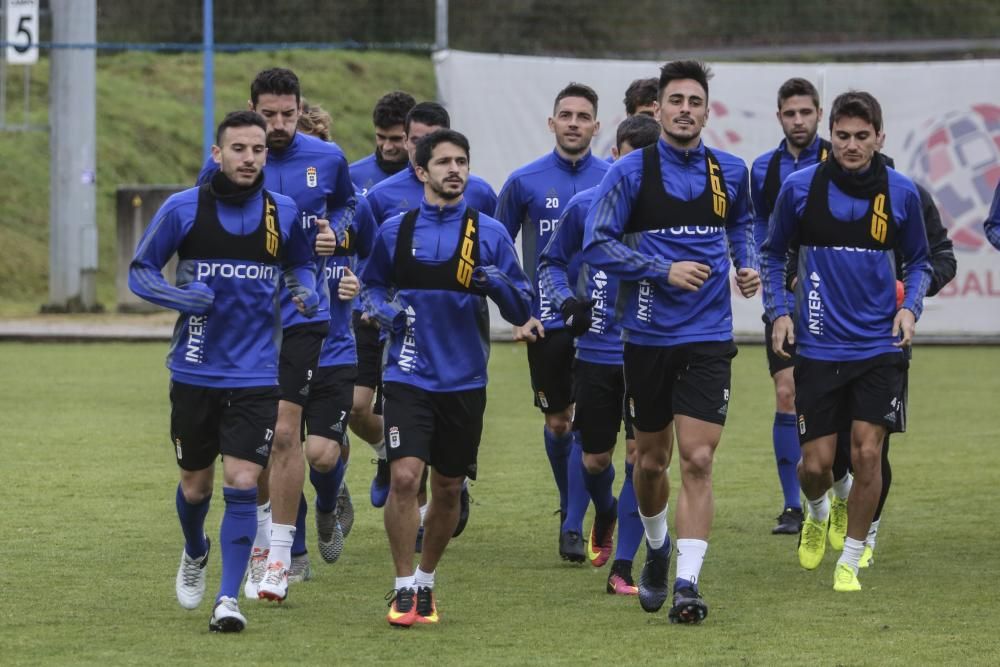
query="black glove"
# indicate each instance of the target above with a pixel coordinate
(577, 315)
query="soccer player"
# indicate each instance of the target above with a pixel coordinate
(533, 198)
(943, 268)
(390, 156)
(641, 96)
(313, 173)
(426, 284)
(992, 224)
(665, 222)
(397, 194)
(585, 297)
(799, 114)
(846, 216)
(232, 238)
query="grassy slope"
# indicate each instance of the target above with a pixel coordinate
(91, 541)
(149, 127)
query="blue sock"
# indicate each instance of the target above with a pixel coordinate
(630, 530)
(787, 453)
(557, 450)
(239, 525)
(327, 484)
(299, 541)
(576, 491)
(193, 524)
(684, 583)
(599, 488)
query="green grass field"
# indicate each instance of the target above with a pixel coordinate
(91, 541)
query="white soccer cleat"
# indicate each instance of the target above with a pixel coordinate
(226, 616)
(274, 586)
(255, 572)
(190, 582)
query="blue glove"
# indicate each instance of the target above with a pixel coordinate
(200, 296)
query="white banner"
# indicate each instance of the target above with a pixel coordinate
(942, 123)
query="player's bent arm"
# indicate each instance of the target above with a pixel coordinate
(376, 286)
(553, 263)
(504, 281)
(774, 254)
(916, 262)
(943, 263)
(740, 228)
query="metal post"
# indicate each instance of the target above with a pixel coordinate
(441, 25)
(73, 164)
(208, 82)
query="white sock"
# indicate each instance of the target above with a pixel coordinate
(690, 556)
(404, 582)
(852, 553)
(423, 579)
(262, 540)
(820, 508)
(842, 487)
(379, 448)
(656, 528)
(423, 513)
(872, 534)
(282, 536)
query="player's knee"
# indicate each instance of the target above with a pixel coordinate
(558, 424)
(698, 463)
(596, 463)
(784, 397)
(404, 481)
(812, 468)
(286, 434)
(447, 490)
(651, 466)
(323, 457)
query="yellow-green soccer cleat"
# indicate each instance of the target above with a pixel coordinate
(867, 558)
(845, 579)
(812, 542)
(838, 523)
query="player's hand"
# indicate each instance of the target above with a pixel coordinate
(748, 281)
(306, 303)
(905, 323)
(349, 286)
(782, 329)
(369, 321)
(577, 315)
(530, 331)
(688, 276)
(202, 295)
(326, 240)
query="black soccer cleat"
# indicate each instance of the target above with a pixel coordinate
(653, 586)
(463, 514)
(689, 607)
(789, 522)
(571, 547)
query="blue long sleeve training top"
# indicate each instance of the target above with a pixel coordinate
(439, 338)
(845, 296)
(531, 203)
(313, 173)
(562, 275)
(650, 310)
(366, 173)
(339, 348)
(231, 338)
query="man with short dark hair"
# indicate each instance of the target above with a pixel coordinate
(396, 194)
(846, 216)
(426, 283)
(599, 385)
(314, 173)
(532, 199)
(641, 96)
(233, 238)
(799, 114)
(388, 117)
(666, 221)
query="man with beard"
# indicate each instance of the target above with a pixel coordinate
(532, 200)
(799, 113)
(231, 237)
(390, 156)
(314, 173)
(666, 221)
(426, 283)
(847, 217)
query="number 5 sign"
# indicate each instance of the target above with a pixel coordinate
(22, 31)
